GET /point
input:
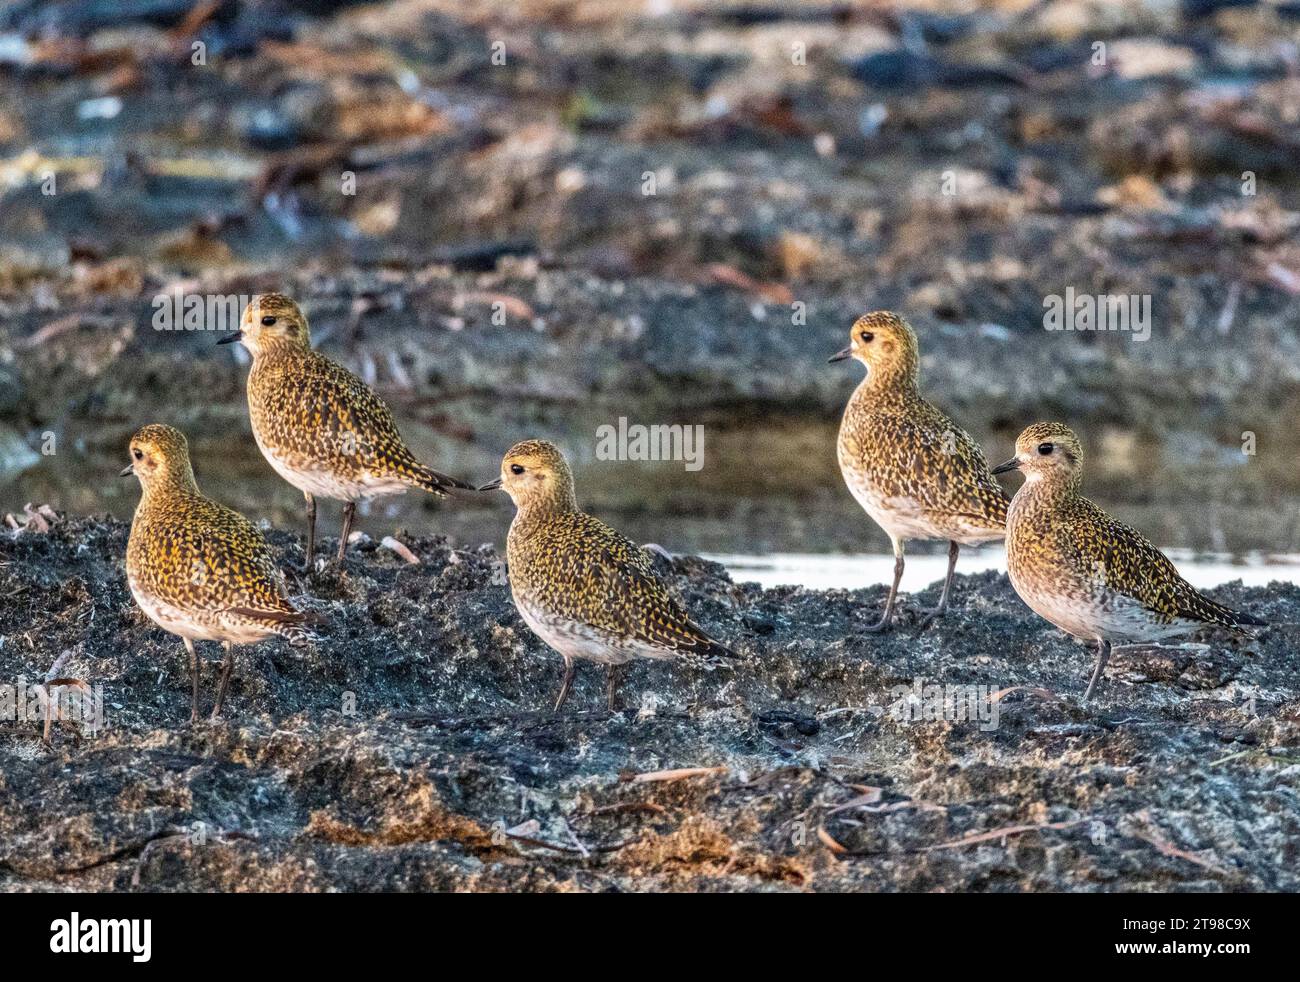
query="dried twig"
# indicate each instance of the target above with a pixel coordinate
(1167, 848)
(1003, 693)
(34, 518)
(200, 14)
(47, 692)
(1228, 314)
(725, 275)
(868, 797)
(568, 830)
(513, 306)
(679, 774)
(1001, 833)
(177, 833)
(57, 667)
(149, 847)
(63, 325)
(829, 842)
(629, 806)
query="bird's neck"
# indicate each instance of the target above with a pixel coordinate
(279, 351)
(167, 487)
(890, 386)
(540, 507)
(1046, 492)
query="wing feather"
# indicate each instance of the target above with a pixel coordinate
(1126, 560)
(924, 457)
(582, 570)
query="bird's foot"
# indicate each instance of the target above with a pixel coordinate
(931, 617)
(881, 625)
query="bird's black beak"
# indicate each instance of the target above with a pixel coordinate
(231, 338)
(1011, 465)
(840, 355)
(492, 485)
(127, 471)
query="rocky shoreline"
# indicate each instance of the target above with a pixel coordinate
(412, 748)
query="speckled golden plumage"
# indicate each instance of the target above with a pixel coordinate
(619, 594)
(1090, 575)
(586, 590)
(913, 470)
(319, 426)
(197, 568)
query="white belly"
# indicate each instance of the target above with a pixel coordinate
(901, 518)
(197, 625)
(1105, 616)
(323, 483)
(905, 518)
(574, 640)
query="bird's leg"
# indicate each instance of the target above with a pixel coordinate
(194, 680)
(349, 510)
(885, 618)
(311, 530)
(612, 680)
(566, 685)
(953, 547)
(1103, 656)
(226, 666)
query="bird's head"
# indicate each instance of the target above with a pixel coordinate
(885, 343)
(535, 472)
(1047, 451)
(271, 321)
(160, 456)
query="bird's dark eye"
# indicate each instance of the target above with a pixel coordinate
(137, 454)
(1044, 448)
(516, 468)
(268, 321)
(866, 337)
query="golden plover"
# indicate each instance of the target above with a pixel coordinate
(198, 569)
(1091, 576)
(583, 588)
(322, 428)
(914, 471)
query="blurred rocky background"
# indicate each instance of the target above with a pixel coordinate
(532, 218)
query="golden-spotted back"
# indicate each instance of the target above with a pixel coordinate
(197, 568)
(583, 588)
(1089, 574)
(912, 469)
(319, 426)
(916, 472)
(322, 428)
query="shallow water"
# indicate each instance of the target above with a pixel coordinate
(826, 572)
(764, 539)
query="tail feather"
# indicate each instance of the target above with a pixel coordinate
(712, 652)
(427, 479)
(1243, 619)
(298, 636)
(294, 626)
(1212, 612)
(716, 649)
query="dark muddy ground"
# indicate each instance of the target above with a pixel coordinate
(412, 749)
(798, 157)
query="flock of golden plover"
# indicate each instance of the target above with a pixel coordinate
(205, 573)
